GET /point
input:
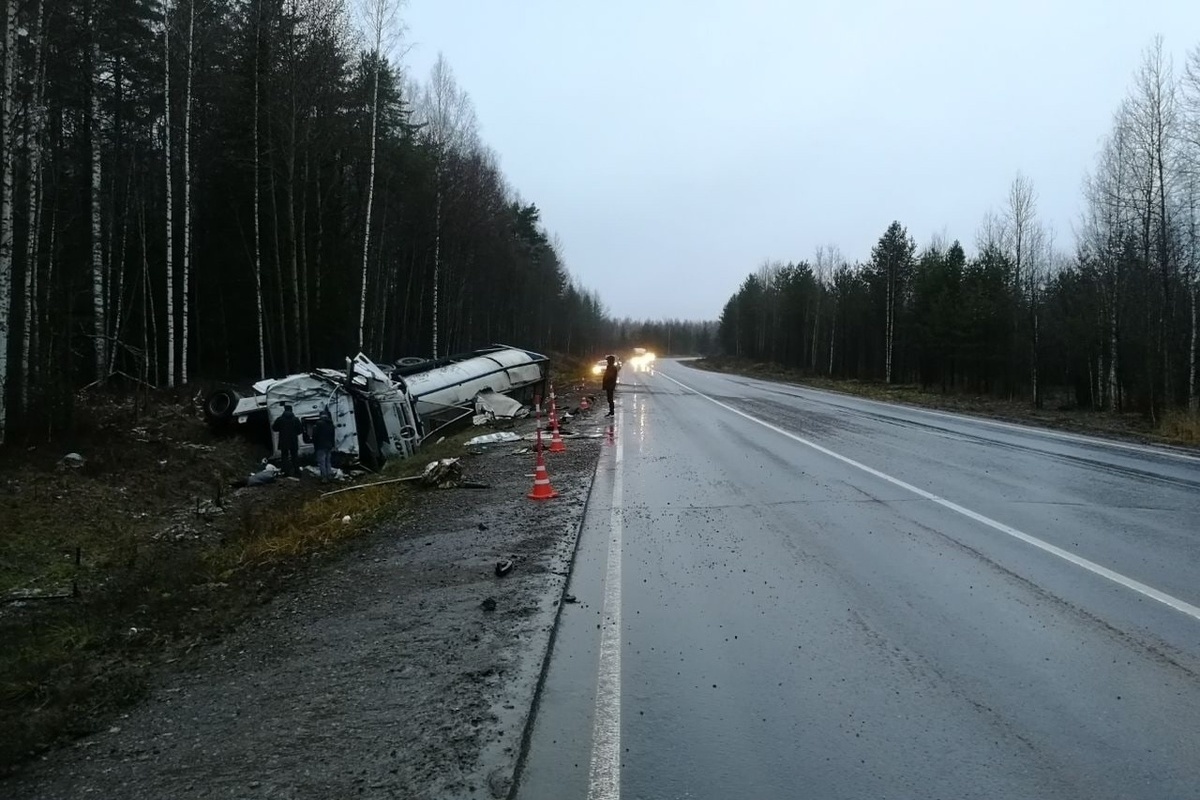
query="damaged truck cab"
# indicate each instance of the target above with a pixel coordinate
(379, 413)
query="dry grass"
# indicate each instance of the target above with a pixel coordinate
(1181, 426)
(66, 664)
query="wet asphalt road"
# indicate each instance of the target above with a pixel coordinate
(785, 593)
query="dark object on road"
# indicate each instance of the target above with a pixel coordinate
(488, 604)
(474, 485)
(482, 527)
(570, 598)
(504, 567)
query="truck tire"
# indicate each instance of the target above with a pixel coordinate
(219, 406)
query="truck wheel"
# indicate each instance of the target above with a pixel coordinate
(219, 406)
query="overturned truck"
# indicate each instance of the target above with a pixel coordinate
(380, 411)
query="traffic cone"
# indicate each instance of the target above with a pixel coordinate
(556, 441)
(542, 490)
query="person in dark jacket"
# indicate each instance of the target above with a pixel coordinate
(289, 429)
(323, 435)
(610, 383)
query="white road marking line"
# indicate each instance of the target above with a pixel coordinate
(1091, 566)
(604, 777)
(1012, 426)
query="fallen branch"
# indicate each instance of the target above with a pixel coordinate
(375, 483)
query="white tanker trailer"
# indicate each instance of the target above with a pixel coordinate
(379, 411)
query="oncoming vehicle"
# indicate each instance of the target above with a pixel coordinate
(601, 365)
(642, 359)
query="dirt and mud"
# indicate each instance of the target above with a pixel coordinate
(404, 667)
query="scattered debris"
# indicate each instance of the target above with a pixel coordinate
(491, 406)
(71, 461)
(504, 567)
(346, 520)
(263, 477)
(338, 475)
(494, 438)
(443, 474)
(207, 509)
(489, 604)
(570, 598)
(482, 527)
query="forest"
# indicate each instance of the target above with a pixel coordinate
(225, 189)
(1107, 321)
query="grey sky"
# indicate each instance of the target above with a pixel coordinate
(673, 145)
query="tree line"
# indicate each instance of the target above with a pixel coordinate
(238, 188)
(1109, 324)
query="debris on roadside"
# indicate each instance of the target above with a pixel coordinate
(491, 406)
(489, 604)
(493, 438)
(504, 567)
(570, 598)
(71, 461)
(263, 477)
(444, 474)
(313, 472)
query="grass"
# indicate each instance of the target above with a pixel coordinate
(1181, 427)
(67, 664)
(1175, 427)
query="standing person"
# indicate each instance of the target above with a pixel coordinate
(289, 429)
(610, 383)
(323, 435)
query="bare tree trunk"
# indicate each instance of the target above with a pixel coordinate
(33, 147)
(437, 255)
(6, 205)
(302, 245)
(258, 287)
(185, 311)
(117, 264)
(362, 303)
(1193, 398)
(170, 197)
(100, 326)
(891, 295)
(293, 266)
(832, 336)
(152, 316)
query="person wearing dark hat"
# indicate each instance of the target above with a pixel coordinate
(289, 429)
(610, 383)
(323, 436)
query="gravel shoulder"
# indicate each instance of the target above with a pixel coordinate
(385, 675)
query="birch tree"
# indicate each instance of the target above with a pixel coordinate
(380, 18)
(33, 146)
(100, 329)
(169, 195)
(6, 203)
(187, 198)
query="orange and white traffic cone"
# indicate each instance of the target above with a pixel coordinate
(542, 490)
(556, 441)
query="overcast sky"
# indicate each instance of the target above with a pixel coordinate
(674, 145)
